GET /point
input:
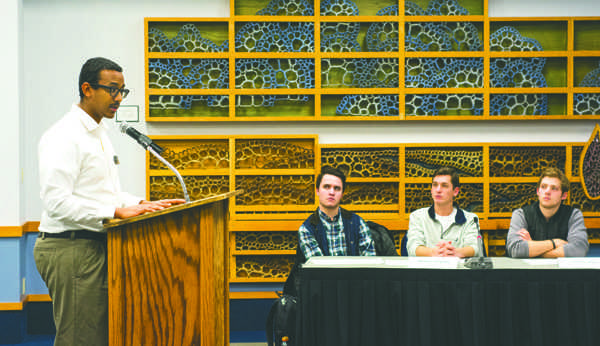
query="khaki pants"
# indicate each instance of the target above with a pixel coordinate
(75, 271)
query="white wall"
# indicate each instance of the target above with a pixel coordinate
(543, 8)
(11, 140)
(59, 35)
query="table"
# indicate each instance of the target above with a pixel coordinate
(399, 301)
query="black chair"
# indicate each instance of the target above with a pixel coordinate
(403, 250)
(383, 239)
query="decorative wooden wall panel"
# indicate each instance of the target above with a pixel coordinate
(386, 182)
(377, 60)
(357, 60)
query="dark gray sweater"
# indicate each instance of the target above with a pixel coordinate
(576, 237)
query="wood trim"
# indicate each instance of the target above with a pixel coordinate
(253, 295)
(18, 231)
(11, 306)
(31, 226)
(18, 306)
(113, 223)
(293, 225)
(11, 231)
(36, 298)
(40, 298)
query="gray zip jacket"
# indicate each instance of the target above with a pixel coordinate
(425, 230)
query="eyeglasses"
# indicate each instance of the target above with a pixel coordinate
(112, 90)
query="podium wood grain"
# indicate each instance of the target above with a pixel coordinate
(167, 276)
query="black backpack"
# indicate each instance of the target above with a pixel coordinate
(282, 320)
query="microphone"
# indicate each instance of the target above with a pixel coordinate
(141, 138)
(155, 150)
(479, 262)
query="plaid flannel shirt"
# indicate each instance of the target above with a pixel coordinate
(336, 239)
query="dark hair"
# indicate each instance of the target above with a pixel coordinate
(90, 71)
(454, 179)
(331, 171)
(551, 172)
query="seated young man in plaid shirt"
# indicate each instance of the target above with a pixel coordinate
(332, 230)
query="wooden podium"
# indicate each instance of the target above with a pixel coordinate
(167, 273)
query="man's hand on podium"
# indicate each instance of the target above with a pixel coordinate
(145, 207)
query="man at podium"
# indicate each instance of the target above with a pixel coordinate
(79, 189)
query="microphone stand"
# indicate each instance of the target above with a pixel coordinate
(161, 159)
(479, 262)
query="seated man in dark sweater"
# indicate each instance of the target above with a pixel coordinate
(332, 230)
(548, 228)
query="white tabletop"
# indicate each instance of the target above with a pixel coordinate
(450, 262)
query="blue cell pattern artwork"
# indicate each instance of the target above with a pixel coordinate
(445, 8)
(360, 73)
(519, 104)
(288, 8)
(176, 102)
(274, 73)
(275, 37)
(516, 73)
(435, 8)
(368, 105)
(188, 39)
(440, 104)
(337, 36)
(254, 101)
(382, 37)
(588, 104)
(338, 8)
(440, 37)
(187, 74)
(444, 73)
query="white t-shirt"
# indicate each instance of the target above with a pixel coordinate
(446, 221)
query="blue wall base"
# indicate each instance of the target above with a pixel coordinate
(35, 340)
(252, 336)
(39, 319)
(247, 319)
(12, 327)
(32, 326)
(247, 322)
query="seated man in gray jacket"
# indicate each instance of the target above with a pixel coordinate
(548, 228)
(444, 229)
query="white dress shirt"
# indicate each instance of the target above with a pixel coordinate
(78, 175)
